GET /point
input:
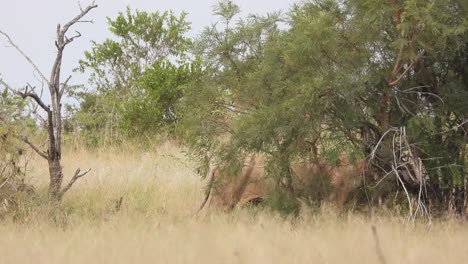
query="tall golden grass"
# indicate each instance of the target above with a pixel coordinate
(155, 223)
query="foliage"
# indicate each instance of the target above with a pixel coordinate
(138, 75)
(339, 76)
(13, 156)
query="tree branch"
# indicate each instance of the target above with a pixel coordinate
(78, 17)
(64, 86)
(25, 94)
(85, 21)
(79, 5)
(38, 151)
(397, 66)
(24, 55)
(68, 40)
(60, 43)
(7, 86)
(36, 98)
(392, 83)
(72, 181)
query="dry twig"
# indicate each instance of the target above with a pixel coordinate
(378, 248)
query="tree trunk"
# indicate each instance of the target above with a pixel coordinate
(56, 177)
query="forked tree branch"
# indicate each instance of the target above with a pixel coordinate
(36, 98)
(72, 181)
(78, 17)
(68, 40)
(60, 43)
(25, 94)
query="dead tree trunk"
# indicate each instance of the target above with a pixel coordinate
(54, 111)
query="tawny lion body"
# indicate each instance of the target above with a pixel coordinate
(252, 184)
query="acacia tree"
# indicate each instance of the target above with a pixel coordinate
(384, 80)
(53, 119)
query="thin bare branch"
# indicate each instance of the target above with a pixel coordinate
(25, 56)
(7, 86)
(392, 83)
(68, 40)
(73, 180)
(452, 128)
(372, 155)
(35, 148)
(85, 21)
(64, 86)
(397, 66)
(78, 17)
(411, 90)
(79, 5)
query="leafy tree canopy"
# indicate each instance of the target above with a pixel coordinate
(337, 76)
(138, 75)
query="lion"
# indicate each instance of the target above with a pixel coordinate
(252, 185)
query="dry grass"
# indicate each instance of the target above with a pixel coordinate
(155, 223)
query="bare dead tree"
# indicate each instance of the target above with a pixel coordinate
(53, 113)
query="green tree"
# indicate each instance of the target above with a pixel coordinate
(383, 80)
(138, 75)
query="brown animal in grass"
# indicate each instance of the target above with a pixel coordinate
(251, 184)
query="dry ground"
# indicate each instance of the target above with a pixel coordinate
(156, 224)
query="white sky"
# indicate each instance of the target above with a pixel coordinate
(32, 23)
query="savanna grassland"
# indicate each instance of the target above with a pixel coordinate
(156, 224)
(375, 87)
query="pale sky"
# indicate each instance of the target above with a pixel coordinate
(32, 24)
